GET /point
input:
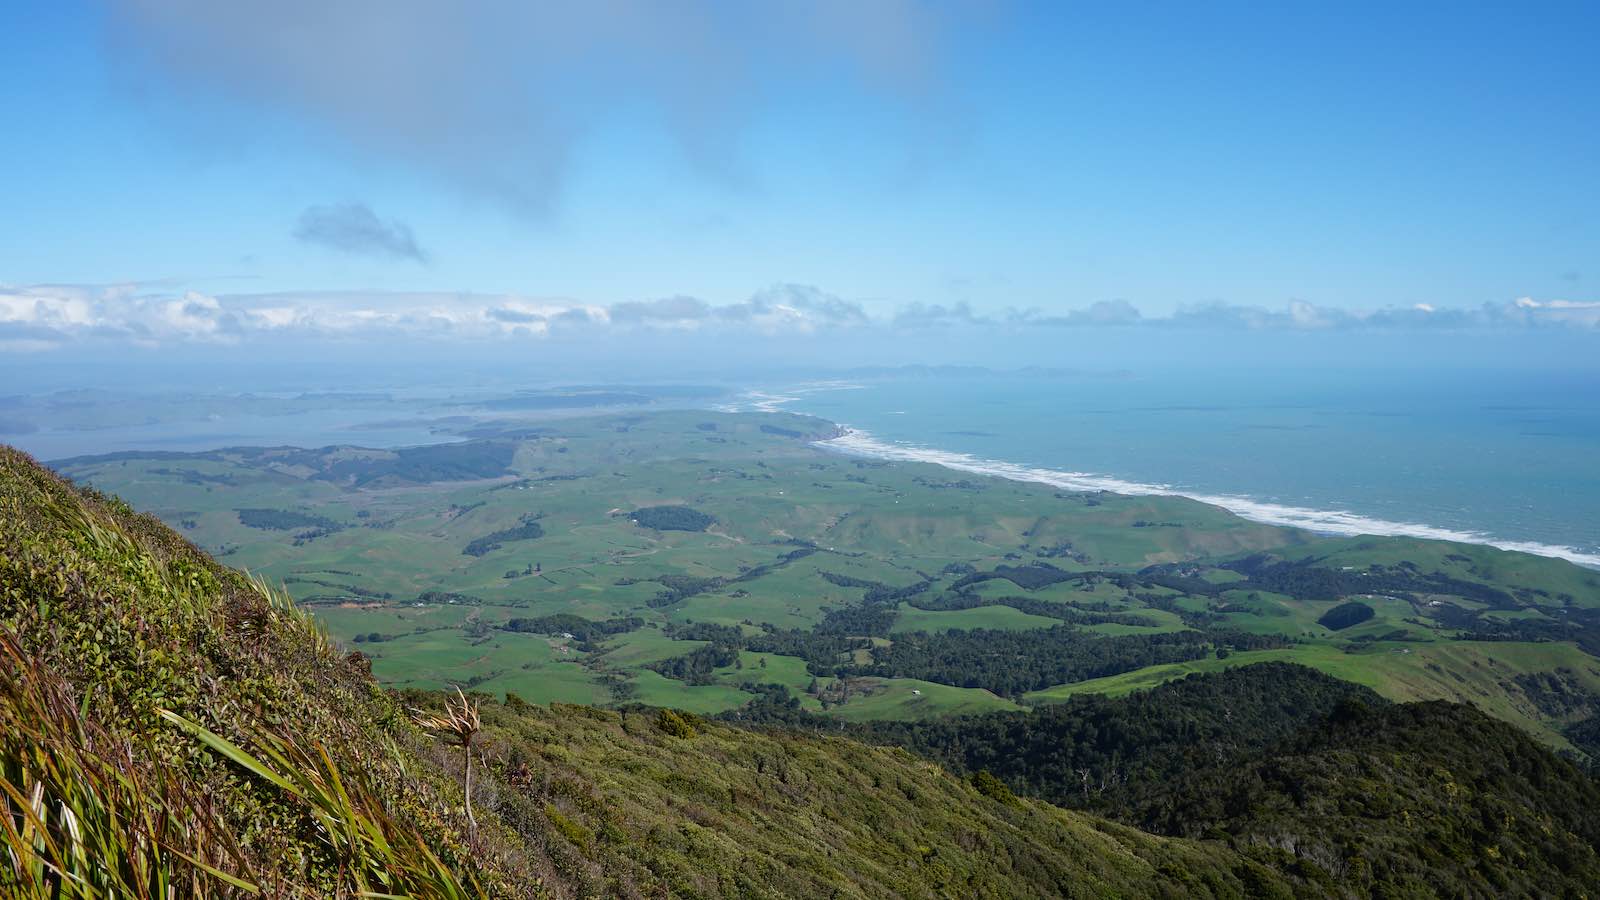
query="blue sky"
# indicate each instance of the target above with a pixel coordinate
(185, 171)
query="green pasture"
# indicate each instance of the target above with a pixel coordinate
(890, 524)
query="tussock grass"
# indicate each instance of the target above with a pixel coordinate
(82, 817)
(170, 727)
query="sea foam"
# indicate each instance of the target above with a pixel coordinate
(1323, 521)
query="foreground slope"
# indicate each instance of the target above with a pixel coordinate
(644, 801)
(297, 774)
(125, 651)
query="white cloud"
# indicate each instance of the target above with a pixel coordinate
(39, 317)
(194, 315)
(1583, 313)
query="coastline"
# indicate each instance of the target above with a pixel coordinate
(1341, 523)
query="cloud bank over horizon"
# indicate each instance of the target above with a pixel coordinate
(43, 318)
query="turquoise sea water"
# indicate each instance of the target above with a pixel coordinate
(1511, 459)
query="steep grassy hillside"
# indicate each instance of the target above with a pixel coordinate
(169, 726)
(134, 666)
(644, 802)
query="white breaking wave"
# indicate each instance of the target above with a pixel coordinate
(755, 401)
(1324, 521)
(761, 401)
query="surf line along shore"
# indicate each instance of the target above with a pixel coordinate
(856, 442)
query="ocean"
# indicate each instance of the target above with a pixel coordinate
(1508, 459)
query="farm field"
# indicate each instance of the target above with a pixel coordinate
(697, 559)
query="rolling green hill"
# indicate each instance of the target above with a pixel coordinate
(749, 556)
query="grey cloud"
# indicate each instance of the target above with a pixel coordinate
(26, 331)
(116, 331)
(513, 316)
(493, 94)
(1216, 314)
(739, 312)
(1106, 312)
(355, 228)
(667, 309)
(782, 307)
(1301, 316)
(1297, 315)
(575, 316)
(1103, 312)
(933, 315)
(1419, 317)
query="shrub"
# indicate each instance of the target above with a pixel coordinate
(993, 788)
(674, 723)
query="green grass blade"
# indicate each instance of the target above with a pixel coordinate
(231, 750)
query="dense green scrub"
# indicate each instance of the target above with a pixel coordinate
(282, 520)
(1403, 798)
(1095, 752)
(672, 518)
(1345, 615)
(1318, 778)
(526, 530)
